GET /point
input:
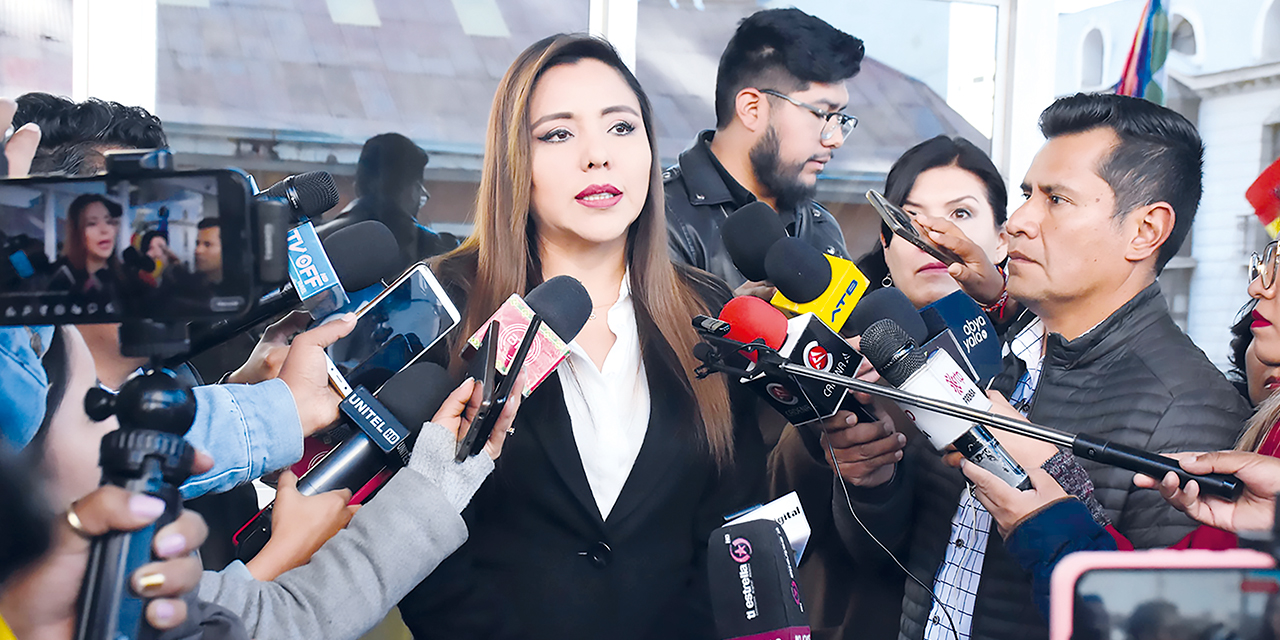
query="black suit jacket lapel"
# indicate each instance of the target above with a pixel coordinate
(667, 451)
(547, 417)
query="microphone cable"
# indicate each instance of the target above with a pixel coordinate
(849, 503)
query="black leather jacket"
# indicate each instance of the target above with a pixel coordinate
(698, 200)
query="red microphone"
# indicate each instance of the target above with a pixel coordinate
(750, 318)
(802, 340)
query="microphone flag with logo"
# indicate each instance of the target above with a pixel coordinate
(754, 594)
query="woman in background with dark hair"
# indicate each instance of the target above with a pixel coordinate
(596, 519)
(155, 245)
(950, 187)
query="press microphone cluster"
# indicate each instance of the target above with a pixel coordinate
(808, 280)
(529, 334)
(385, 428)
(802, 340)
(712, 354)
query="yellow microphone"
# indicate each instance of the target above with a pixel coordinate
(809, 280)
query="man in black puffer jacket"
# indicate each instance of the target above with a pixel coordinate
(779, 94)
(1110, 198)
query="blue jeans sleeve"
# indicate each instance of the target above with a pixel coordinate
(249, 430)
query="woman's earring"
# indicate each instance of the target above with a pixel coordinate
(887, 281)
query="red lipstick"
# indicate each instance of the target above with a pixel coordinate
(599, 196)
(1258, 320)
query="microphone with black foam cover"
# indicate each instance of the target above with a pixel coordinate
(533, 336)
(752, 578)
(386, 426)
(887, 303)
(958, 324)
(748, 234)
(307, 194)
(810, 281)
(936, 375)
(362, 255)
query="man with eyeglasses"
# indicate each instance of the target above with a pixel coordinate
(780, 97)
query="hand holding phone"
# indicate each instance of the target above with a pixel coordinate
(494, 395)
(393, 330)
(902, 225)
(976, 274)
(464, 406)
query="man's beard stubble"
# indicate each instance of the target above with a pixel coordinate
(781, 181)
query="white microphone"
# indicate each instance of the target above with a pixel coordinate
(936, 375)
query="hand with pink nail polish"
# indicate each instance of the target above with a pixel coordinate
(40, 601)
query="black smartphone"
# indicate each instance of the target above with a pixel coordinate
(485, 419)
(484, 370)
(900, 223)
(164, 246)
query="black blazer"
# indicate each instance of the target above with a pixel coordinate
(540, 561)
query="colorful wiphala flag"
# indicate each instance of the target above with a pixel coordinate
(1144, 72)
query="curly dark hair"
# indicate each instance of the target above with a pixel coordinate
(1241, 337)
(73, 135)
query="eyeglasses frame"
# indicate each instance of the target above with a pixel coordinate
(1264, 265)
(827, 130)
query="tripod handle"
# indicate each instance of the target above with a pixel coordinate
(109, 607)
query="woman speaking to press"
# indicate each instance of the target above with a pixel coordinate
(595, 522)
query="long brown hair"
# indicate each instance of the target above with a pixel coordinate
(501, 255)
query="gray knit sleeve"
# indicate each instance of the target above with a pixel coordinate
(433, 458)
(1064, 468)
(391, 544)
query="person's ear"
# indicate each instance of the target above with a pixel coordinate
(752, 110)
(1151, 227)
(1002, 246)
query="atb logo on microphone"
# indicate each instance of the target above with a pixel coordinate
(740, 550)
(817, 357)
(781, 393)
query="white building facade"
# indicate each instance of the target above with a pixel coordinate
(1224, 75)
